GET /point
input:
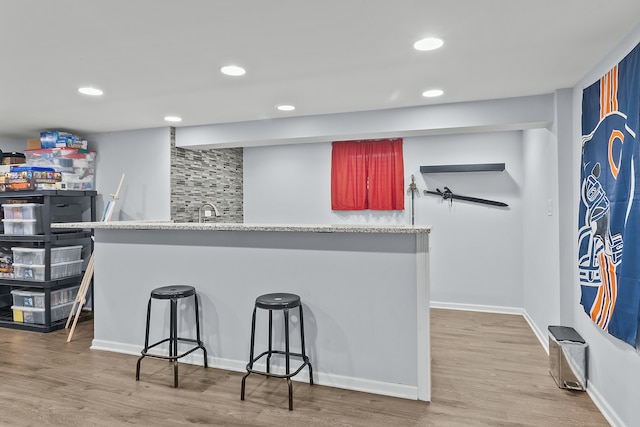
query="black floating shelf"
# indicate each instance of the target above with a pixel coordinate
(476, 167)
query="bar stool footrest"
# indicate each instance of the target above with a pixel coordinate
(200, 345)
(305, 360)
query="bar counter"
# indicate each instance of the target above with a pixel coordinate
(364, 290)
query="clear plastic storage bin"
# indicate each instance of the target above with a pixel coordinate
(27, 227)
(36, 272)
(37, 315)
(24, 298)
(21, 210)
(32, 256)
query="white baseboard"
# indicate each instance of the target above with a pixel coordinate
(544, 339)
(368, 386)
(607, 412)
(476, 307)
(115, 347)
(320, 378)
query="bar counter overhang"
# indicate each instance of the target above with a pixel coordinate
(364, 290)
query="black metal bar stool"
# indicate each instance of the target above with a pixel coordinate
(278, 301)
(173, 293)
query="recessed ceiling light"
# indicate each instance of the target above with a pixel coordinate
(173, 119)
(286, 107)
(430, 43)
(432, 93)
(232, 70)
(90, 91)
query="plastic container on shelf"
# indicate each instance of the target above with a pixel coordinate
(31, 256)
(76, 165)
(66, 254)
(37, 315)
(26, 298)
(22, 210)
(36, 272)
(6, 265)
(24, 227)
(29, 177)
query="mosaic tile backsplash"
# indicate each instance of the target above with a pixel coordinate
(207, 176)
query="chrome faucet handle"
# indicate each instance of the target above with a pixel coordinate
(203, 207)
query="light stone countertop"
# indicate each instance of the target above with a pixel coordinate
(220, 226)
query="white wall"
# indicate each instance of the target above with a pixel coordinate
(287, 184)
(540, 253)
(568, 200)
(475, 249)
(476, 256)
(144, 156)
(291, 184)
(614, 367)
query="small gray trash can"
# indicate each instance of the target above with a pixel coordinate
(567, 358)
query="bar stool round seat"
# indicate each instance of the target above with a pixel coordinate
(277, 301)
(283, 302)
(173, 293)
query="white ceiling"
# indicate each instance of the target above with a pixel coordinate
(155, 58)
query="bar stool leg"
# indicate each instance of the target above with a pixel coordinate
(286, 340)
(304, 354)
(146, 333)
(253, 337)
(200, 344)
(270, 341)
(146, 341)
(286, 351)
(173, 340)
(171, 335)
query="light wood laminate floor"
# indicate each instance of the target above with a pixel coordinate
(487, 370)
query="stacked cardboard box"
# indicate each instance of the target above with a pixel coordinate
(59, 139)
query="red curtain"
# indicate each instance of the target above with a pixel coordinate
(348, 176)
(367, 174)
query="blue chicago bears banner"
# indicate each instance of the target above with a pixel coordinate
(609, 215)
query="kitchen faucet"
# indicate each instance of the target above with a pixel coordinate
(207, 212)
